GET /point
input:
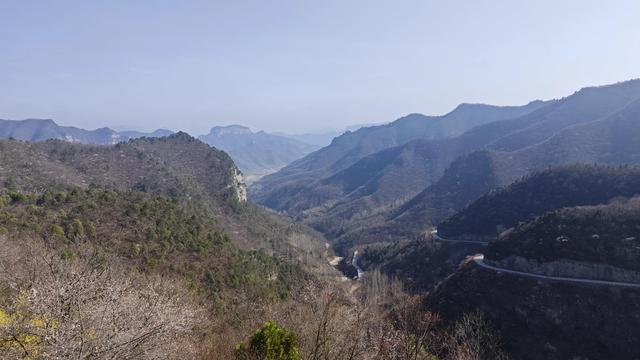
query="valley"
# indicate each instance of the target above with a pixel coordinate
(319, 180)
(472, 215)
(505, 221)
(482, 190)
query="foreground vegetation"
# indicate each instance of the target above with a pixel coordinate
(102, 273)
(147, 249)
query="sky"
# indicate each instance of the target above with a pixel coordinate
(300, 65)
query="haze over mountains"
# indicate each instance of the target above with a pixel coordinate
(562, 240)
(45, 129)
(348, 189)
(256, 154)
(330, 170)
(546, 193)
(320, 180)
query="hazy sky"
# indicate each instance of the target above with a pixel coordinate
(300, 65)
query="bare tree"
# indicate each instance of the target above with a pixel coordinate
(88, 307)
(418, 334)
(473, 338)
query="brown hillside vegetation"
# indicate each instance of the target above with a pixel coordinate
(147, 250)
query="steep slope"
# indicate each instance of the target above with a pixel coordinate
(177, 166)
(392, 174)
(146, 249)
(256, 154)
(542, 319)
(349, 148)
(422, 262)
(597, 242)
(538, 193)
(151, 233)
(613, 140)
(40, 130)
(351, 204)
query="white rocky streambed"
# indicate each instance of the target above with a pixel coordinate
(336, 260)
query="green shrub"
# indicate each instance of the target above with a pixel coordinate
(91, 231)
(57, 231)
(271, 342)
(60, 197)
(136, 249)
(67, 255)
(5, 200)
(17, 197)
(75, 230)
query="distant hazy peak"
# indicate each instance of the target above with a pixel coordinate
(31, 121)
(256, 153)
(230, 130)
(465, 107)
(43, 121)
(44, 129)
(536, 102)
(631, 82)
(408, 117)
(136, 133)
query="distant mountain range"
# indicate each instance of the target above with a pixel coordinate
(519, 219)
(350, 147)
(256, 153)
(44, 129)
(595, 125)
(394, 181)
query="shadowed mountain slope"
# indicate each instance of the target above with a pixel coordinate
(350, 147)
(541, 319)
(538, 193)
(444, 175)
(614, 139)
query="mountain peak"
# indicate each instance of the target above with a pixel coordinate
(39, 121)
(230, 130)
(181, 135)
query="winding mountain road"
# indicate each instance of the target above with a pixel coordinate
(479, 260)
(434, 233)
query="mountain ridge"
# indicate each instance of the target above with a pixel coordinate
(45, 129)
(606, 136)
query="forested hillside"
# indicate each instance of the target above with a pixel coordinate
(347, 149)
(373, 199)
(612, 139)
(552, 319)
(170, 210)
(148, 249)
(538, 193)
